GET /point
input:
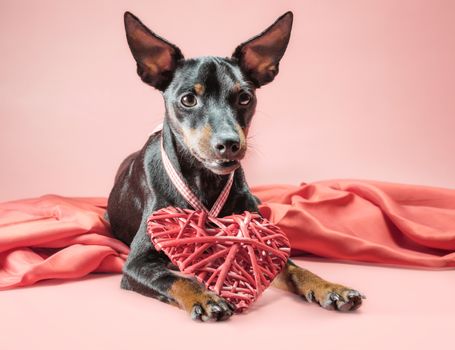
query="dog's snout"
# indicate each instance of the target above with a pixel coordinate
(227, 146)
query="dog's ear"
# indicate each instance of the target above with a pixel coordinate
(260, 56)
(156, 58)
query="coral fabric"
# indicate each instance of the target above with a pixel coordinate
(55, 237)
(365, 221)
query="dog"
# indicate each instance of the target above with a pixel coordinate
(209, 102)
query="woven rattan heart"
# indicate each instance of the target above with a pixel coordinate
(236, 256)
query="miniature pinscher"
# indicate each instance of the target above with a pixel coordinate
(210, 102)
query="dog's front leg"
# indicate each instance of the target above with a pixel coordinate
(311, 287)
(148, 272)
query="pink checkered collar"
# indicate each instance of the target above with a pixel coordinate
(181, 185)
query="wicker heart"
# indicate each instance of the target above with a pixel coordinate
(236, 256)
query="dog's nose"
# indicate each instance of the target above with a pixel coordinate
(228, 146)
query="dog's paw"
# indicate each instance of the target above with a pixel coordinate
(211, 308)
(335, 297)
(200, 303)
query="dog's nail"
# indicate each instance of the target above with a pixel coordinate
(353, 293)
(356, 293)
(231, 306)
(225, 306)
(197, 312)
(217, 311)
(309, 297)
(335, 297)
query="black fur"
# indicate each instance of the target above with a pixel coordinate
(192, 138)
(142, 185)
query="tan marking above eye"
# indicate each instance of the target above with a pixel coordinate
(199, 89)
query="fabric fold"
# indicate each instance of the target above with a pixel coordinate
(366, 221)
(351, 220)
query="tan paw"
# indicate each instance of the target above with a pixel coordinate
(212, 308)
(335, 297)
(199, 302)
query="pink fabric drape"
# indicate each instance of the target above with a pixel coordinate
(55, 237)
(365, 221)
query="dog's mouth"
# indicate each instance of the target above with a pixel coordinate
(219, 166)
(222, 166)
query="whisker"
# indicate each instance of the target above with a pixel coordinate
(263, 114)
(253, 147)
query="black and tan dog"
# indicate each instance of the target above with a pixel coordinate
(210, 102)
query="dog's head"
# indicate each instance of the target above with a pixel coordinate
(210, 101)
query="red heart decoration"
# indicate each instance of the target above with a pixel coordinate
(236, 256)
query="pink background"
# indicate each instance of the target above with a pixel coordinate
(405, 309)
(366, 90)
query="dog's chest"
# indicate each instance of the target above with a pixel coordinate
(206, 188)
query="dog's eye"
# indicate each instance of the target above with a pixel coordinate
(189, 100)
(244, 98)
